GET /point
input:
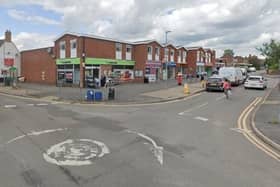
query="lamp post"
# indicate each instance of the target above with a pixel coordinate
(166, 33)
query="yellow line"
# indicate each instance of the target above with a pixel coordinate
(253, 139)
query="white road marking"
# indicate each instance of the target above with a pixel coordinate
(10, 106)
(220, 98)
(192, 109)
(42, 104)
(35, 133)
(30, 104)
(240, 130)
(158, 150)
(78, 152)
(201, 118)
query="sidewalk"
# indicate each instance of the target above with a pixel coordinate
(125, 93)
(267, 118)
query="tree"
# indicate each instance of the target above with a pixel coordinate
(255, 61)
(228, 52)
(271, 52)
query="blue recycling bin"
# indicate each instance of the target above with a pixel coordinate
(98, 96)
(90, 95)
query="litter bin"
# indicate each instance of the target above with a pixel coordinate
(90, 95)
(146, 80)
(98, 96)
(111, 94)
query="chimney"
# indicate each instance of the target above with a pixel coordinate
(8, 36)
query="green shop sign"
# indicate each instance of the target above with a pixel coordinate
(67, 61)
(101, 61)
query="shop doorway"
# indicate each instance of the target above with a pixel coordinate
(92, 77)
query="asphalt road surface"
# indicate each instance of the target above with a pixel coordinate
(191, 142)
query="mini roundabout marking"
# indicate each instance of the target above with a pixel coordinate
(76, 152)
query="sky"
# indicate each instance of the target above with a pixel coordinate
(241, 25)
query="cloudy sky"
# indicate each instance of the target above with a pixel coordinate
(241, 25)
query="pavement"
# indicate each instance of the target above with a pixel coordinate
(125, 93)
(267, 119)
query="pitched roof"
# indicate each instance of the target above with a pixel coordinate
(92, 36)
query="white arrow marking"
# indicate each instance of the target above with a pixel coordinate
(201, 118)
(158, 150)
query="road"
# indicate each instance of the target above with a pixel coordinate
(191, 142)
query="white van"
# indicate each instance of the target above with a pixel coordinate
(233, 74)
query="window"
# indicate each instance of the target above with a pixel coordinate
(118, 51)
(62, 49)
(73, 45)
(150, 50)
(157, 51)
(172, 52)
(128, 49)
(128, 52)
(118, 47)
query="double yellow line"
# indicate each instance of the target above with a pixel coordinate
(245, 128)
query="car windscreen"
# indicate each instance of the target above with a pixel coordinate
(214, 80)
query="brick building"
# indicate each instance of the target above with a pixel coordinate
(76, 59)
(200, 60)
(38, 65)
(148, 57)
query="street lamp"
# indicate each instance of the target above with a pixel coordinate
(166, 74)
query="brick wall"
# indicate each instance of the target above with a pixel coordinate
(191, 60)
(34, 62)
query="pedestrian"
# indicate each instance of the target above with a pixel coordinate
(202, 81)
(227, 87)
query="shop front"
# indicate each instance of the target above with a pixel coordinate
(181, 68)
(153, 70)
(68, 71)
(200, 68)
(119, 70)
(171, 69)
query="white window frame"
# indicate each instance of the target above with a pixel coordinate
(118, 51)
(166, 54)
(128, 52)
(150, 52)
(184, 56)
(62, 51)
(172, 52)
(73, 51)
(179, 56)
(157, 53)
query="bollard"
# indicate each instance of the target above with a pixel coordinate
(186, 89)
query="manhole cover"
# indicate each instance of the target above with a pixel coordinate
(76, 152)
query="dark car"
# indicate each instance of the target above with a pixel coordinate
(214, 83)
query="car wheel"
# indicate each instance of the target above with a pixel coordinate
(245, 88)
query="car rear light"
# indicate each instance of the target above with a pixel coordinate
(261, 81)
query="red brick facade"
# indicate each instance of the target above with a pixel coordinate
(38, 66)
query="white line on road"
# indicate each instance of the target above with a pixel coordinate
(36, 133)
(240, 130)
(158, 150)
(30, 104)
(42, 104)
(220, 98)
(10, 106)
(201, 118)
(192, 109)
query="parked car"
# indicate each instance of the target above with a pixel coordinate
(214, 82)
(252, 69)
(255, 81)
(244, 74)
(233, 74)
